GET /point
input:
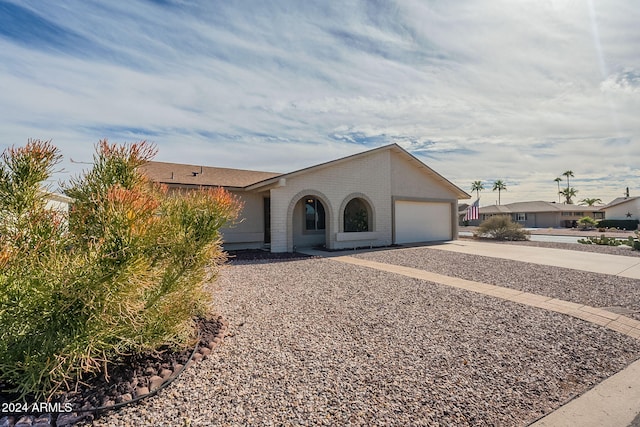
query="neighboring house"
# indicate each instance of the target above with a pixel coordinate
(57, 202)
(53, 201)
(462, 212)
(541, 214)
(375, 198)
(623, 208)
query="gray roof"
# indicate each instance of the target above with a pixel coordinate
(619, 201)
(536, 207)
(495, 209)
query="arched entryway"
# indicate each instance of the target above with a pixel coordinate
(309, 221)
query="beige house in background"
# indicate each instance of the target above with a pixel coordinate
(57, 202)
(379, 197)
(539, 214)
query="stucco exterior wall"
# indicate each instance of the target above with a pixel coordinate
(376, 178)
(249, 231)
(57, 205)
(407, 180)
(367, 174)
(620, 211)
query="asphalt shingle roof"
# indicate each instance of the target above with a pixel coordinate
(175, 173)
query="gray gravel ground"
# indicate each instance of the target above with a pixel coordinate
(598, 290)
(318, 342)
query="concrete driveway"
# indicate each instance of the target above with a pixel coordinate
(586, 261)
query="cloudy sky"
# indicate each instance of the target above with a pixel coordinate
(479, 90)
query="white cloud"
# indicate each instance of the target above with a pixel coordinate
(519, 91)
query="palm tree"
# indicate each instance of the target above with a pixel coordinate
(499, 185)
(590, 202)
(569, 193)
(568, 174)
(557, 180)
(477, 187)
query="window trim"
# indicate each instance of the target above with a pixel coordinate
(368, 203)
(364, 206)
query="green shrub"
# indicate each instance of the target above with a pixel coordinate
(587, 222)
(122, 274)
(500, 227)
(634, 242)
(602, 240)
(623, 224)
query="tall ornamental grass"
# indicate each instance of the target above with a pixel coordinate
(121, 273)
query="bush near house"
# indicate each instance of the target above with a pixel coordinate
(122, 274)
(634, 242)
(623, 224)
(501, 227)
(587, 222)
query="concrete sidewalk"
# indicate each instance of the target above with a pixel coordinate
(623, 266)
(615, 402)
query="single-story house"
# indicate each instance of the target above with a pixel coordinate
(378, 197)
(541, 214)
(623, 208)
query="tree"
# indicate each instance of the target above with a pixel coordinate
(587, 222)
(568, 194)
(568, 174)
(499, 185)
(477, 187)
(590, 202)
(558, 180)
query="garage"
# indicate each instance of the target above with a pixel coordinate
(416, 221)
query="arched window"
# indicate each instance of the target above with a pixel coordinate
(357, 216)
(314, 216)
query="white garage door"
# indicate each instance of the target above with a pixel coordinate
(422, 221)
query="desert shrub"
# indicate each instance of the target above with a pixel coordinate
(587, 222)
(602, 240)
(634, 242)
(501, 227)
(623, 224)
(122, 274)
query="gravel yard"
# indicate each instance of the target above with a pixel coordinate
(598, 290)
(318, 342)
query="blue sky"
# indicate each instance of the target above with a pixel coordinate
(514, 90)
